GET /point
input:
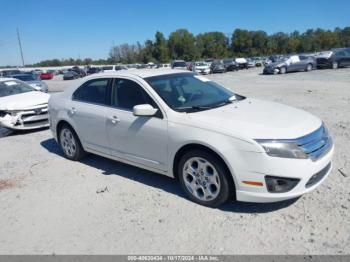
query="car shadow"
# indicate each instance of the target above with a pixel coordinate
(110, 167)
(4, 132)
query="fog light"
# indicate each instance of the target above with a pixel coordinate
(276, 184)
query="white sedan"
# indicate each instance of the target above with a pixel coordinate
(201, 68)
(217, 143)
(21, 106)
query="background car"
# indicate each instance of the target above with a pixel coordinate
(9, 73)
(230, 64)
(179, 64)
(70, 75)
(291, 64)
(93, 70)
(339, 57)
(34, 81)
(79, 71)
(217, 66)
(46, 75)
(201, 68)
(21, 106)
(242, 63)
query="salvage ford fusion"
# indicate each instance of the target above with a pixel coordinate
(21, 106)
(216, 143)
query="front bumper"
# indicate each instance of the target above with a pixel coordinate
(264, 165)
(270, 70)
(27, 119)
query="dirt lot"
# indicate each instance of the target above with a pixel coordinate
(52, 205)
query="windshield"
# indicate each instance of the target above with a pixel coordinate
(25, 77)
(200, 64)
(12, 87)
(188, 92)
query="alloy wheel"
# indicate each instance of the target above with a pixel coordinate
(68, 143)
(201, 179)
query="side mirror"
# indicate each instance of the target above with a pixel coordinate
(144, 110)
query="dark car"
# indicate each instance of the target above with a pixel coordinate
(93, 70)
(230, 64)
(79, 71)
(70, 75)
(179, 64)
(10, 72)
(338, 57)
(292, 63)
(217, 66)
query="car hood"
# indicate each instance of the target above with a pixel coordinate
(201, 67)
(23, 101)
(257, 119)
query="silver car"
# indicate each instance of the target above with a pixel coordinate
(292, 63)
(33, 80)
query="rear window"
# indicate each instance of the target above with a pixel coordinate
(179, 64)
(107, 68)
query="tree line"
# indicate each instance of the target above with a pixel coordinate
(182, 44)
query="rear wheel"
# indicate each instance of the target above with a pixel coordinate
(204, 178)
(335, 65)
(70, 143)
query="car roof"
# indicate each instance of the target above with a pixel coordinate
(19, 75)
(143, 73)
(3, 79)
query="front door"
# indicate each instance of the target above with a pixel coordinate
(139, 139)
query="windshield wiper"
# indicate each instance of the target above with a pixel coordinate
(193, 108)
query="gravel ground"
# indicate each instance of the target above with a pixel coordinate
(98, 206)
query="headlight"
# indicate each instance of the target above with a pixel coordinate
(282, 149)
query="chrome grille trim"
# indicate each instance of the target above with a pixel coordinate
(315, 144)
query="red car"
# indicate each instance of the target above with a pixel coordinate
(47, 75)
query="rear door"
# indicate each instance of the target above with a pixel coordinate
(87, 111)
(295, 63)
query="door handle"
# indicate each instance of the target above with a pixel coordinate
(114, 119)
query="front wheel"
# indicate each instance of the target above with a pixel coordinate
(70, 143)
(204, 178)
(308, 67)
(283, 70)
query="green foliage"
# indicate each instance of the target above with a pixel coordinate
(212, 45)
(182, 44)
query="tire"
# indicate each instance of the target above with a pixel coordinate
(335, 65)
(70, 143)
(309, 67)
(204, 178)
(283, 70)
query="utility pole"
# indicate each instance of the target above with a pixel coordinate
(20, 46)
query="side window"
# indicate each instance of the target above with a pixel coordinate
(94, 91)
(340, 53)
(126, 94)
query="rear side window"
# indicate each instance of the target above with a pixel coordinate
(94, 91)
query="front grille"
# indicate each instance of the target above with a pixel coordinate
(315, 144)
(318, 176)
(322, 62)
